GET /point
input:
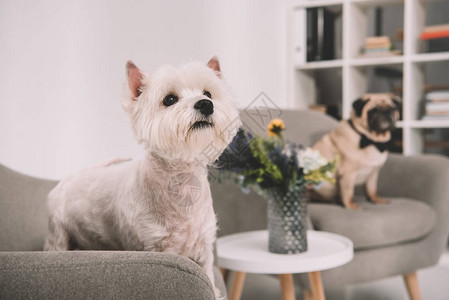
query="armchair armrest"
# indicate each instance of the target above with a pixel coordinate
(424, 178)
(101, 275)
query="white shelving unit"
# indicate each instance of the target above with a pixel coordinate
(352, 68)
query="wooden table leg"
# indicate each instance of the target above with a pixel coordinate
(316, 286)
(225, 274)
(411, 281)
(287, 288)
(238, 279)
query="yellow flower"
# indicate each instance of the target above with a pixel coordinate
(275, 127)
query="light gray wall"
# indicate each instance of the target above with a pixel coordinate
(63, 69)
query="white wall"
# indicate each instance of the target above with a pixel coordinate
(63, 69)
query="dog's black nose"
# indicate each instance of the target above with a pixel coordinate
(205, 106)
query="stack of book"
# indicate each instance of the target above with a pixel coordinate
(435, 32)
(378, 46)
(437, 105)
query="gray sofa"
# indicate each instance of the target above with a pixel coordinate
(408, 234)
(26, 272)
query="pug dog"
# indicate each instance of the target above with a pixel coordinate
(361, 144)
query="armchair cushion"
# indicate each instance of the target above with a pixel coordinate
(401, 220)
(103, 275)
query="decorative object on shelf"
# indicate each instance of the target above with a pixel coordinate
(281, 172)
(376, 46)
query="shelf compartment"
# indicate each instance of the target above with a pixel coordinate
(376, 79)
(422, 14)
(425, 74)
(397, 136)
(316, 35)
(436, 140)
(310, 89)
(362, 22)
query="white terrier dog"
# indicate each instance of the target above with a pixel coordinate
(184, 118)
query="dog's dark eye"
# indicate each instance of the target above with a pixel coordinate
(170, 100)
(207, 94)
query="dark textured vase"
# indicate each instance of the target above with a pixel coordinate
(287, 226)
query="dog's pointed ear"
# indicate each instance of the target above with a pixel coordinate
(135, 79)
(214, 64)
(358, 105)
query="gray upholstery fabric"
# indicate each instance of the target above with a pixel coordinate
(101, 275)
(399, 221)
(23, 215)
(219, 282)
(236, 211)
(81, 274)
(424, 178)
(304, 127)
(378, 263)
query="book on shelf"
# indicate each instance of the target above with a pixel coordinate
(437, 105)
(377, 40)
(435, 32)
(444, 113)
(377, 50)
(435, 28)
(438, 96)
(378, 46)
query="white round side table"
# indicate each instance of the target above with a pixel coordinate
(247, 252)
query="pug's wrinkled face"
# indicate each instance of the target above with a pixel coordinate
(376, 113)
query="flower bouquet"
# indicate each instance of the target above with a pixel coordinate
(281, 172)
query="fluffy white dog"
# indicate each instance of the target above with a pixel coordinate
(184, 118)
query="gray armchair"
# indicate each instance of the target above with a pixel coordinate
(398, 238)
(26, 272)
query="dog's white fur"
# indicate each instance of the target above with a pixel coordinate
(149, 205)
